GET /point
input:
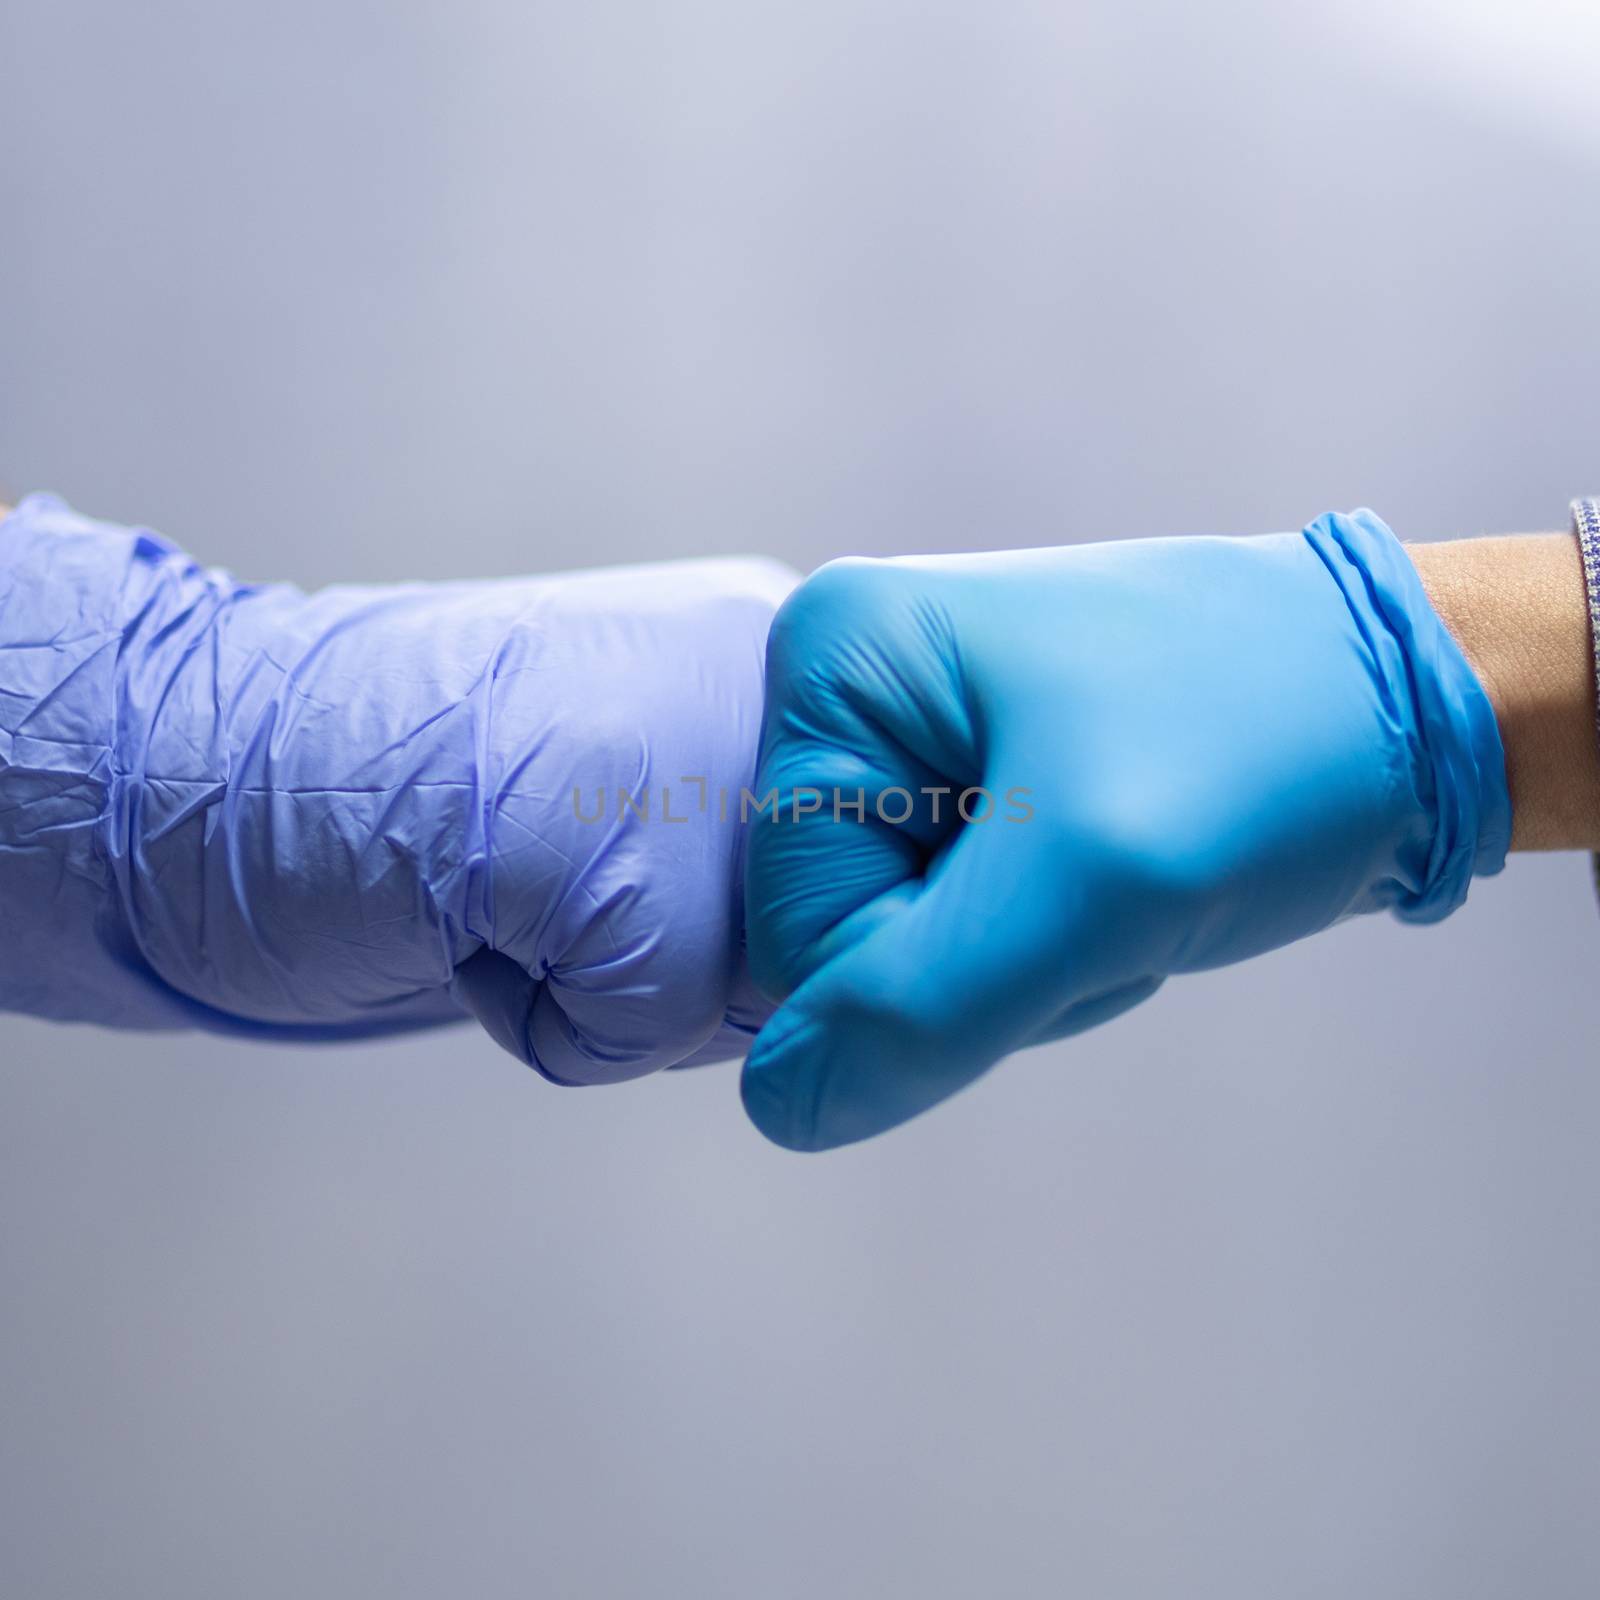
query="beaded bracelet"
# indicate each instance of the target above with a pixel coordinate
(1586, 524)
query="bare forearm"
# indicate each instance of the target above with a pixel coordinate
(1518, 607)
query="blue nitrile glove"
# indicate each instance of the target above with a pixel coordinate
(1193, 750)
(319, 816)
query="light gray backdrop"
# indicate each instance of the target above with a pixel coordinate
(1285, 1286)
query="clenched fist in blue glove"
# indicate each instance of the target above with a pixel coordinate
(245, 808)
(1012, 793)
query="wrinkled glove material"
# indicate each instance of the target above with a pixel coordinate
(1195, 750)
(255, 810)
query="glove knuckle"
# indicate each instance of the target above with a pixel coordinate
(833, 599)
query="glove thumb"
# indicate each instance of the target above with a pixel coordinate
(949, 973)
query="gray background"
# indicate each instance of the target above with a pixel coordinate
(1285, 1285)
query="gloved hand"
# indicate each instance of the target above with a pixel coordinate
(255, 810)
(1193, 750)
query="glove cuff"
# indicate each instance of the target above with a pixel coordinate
(1436, 696)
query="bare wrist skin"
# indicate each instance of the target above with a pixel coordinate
(1518, 607)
